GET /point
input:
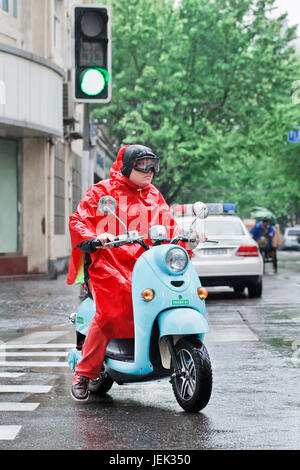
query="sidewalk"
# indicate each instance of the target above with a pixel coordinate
(36, 303)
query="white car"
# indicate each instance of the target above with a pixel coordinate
(234, 261)
(291, 238)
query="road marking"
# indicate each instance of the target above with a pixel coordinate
(33, 354)
(49, 364)
(37, 337)
(37, 346)
(11, 375)
(25, 388)
(16, 406)
(8, 433)
(5, 353)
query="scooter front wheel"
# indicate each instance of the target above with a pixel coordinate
(192, 384)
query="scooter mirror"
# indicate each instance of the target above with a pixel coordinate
(107, 205)
(200, 210)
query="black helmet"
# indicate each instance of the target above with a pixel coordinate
(135, 153)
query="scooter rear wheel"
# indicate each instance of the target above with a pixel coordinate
(101, 385)
(192, 387)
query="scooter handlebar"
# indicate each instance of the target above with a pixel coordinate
(119, 242)
(191, 240)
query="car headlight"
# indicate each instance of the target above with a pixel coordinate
(176, 260)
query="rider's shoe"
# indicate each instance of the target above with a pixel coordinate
(79, 390)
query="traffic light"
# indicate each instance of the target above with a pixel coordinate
(92, 54)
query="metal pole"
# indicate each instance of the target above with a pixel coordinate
(85, 181)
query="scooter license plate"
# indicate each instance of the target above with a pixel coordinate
(180, 302)
(215, 252)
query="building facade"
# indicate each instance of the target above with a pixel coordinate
(40, 137)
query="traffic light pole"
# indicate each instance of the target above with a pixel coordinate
(87, 163)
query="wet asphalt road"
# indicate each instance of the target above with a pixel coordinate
(254, 348)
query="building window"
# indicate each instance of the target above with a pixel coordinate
(57, 24)
(5, 5)
(10, 7)
(15, 8)
(59, 189)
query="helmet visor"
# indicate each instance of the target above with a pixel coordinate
(147, 163)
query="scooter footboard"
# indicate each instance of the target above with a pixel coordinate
(182, 321)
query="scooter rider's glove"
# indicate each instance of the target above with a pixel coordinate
(90, 246)
(104, 238)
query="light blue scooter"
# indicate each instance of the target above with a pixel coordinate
(169, 320)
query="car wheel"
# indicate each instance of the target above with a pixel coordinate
(255, 289)
(238, 289)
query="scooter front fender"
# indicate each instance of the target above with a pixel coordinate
(182, 321)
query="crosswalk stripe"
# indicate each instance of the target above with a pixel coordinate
(38, 336)
(49, 364)
(39, 353)
(16, 406)
(11, 375)
(5, 353)
(36, 346)
(9, 432)
(25, 388)
(26, 348)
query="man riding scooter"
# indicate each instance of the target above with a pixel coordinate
(142, 206)
(264, 233)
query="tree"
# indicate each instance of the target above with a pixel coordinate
(208, 85)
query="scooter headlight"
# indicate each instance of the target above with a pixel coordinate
(176, 260)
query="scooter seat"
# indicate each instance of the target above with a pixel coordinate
(121, 349)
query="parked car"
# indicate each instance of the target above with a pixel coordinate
(234, 261)
(291, 238)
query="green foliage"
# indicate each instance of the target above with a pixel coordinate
(208, 85)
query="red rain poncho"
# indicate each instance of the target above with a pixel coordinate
(111, 269)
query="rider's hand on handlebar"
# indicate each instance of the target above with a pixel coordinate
(199, 238)
(105, 237)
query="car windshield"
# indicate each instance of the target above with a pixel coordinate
(213, 226)
(294, 233)
(223, 227)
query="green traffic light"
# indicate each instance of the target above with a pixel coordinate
(94, 81)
